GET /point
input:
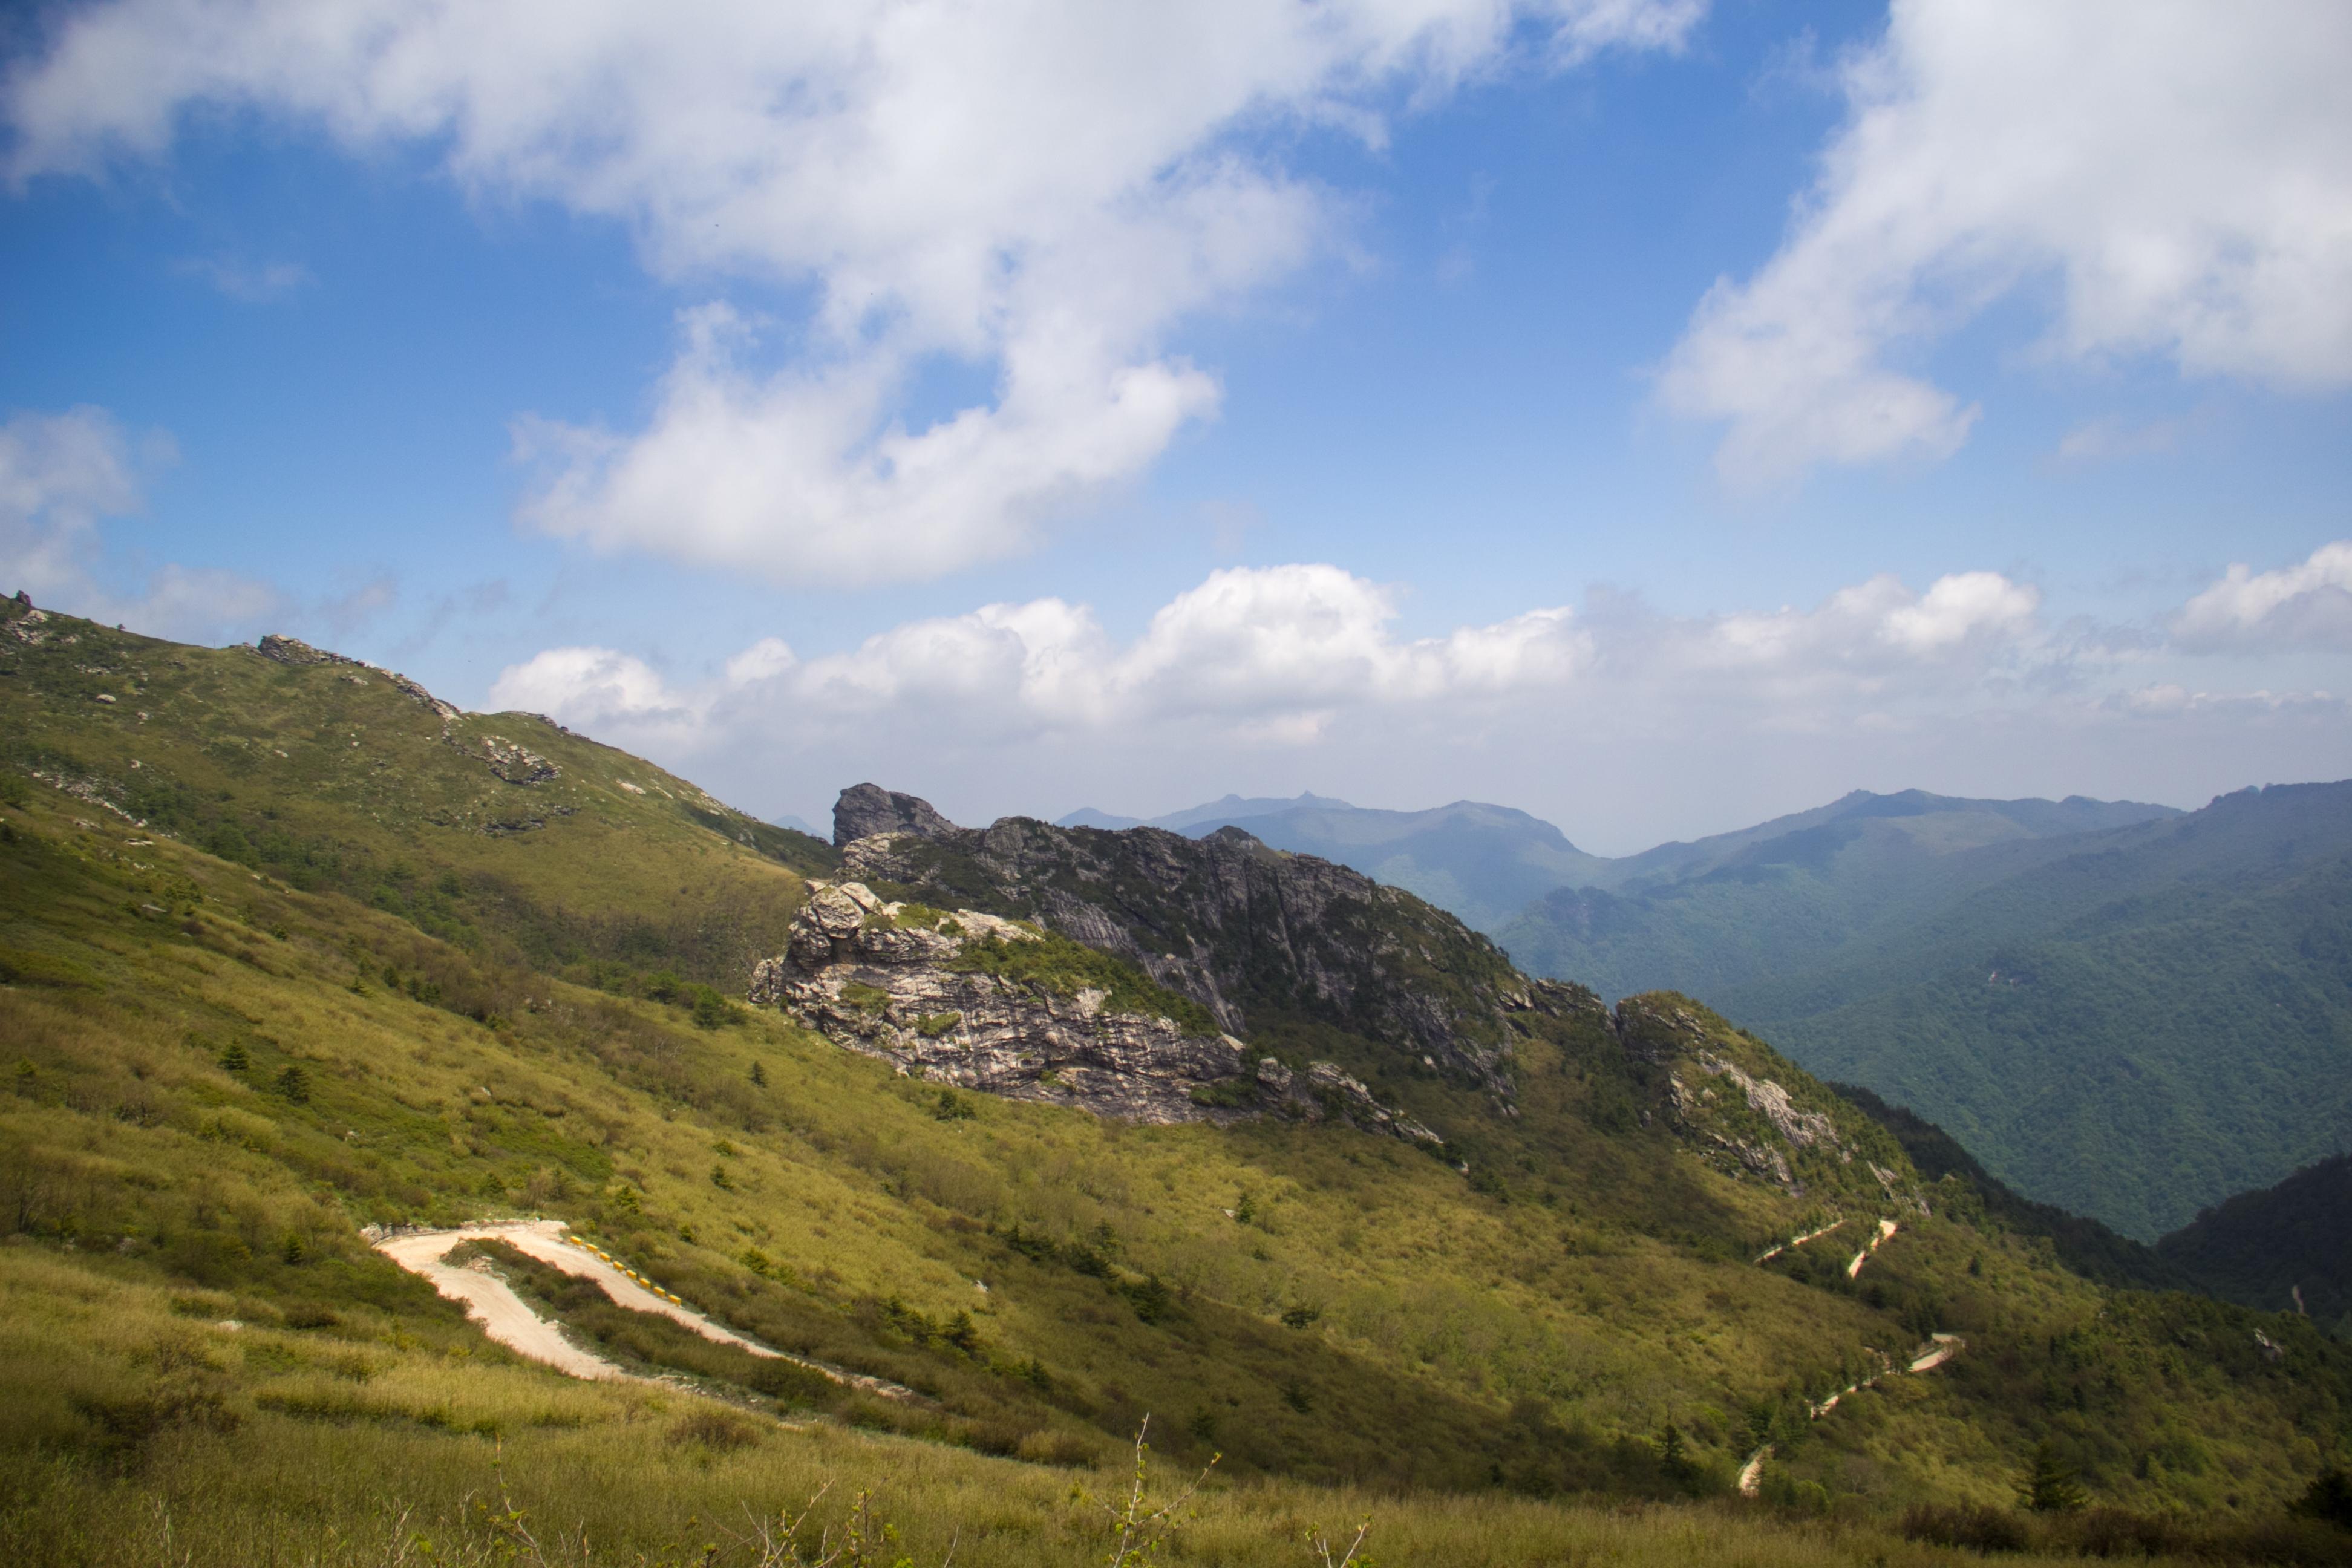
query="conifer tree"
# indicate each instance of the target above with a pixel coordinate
(2049, 1485)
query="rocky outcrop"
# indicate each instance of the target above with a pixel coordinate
(862, 974)
(1243, 930)
(513, 763)
(908, 984)
(866, 809)
(1323, 1090)
(1750, 1113)
(294, 651)
(1769, 1100)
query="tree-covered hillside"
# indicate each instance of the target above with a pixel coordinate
(2134, 1029)
(1790, 894)
(2290, 1244)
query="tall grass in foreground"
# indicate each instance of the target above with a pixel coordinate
(669, 1489)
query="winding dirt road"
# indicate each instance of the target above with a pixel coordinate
(1886, 1228)
(490, 1303)
(1796, 1241)
(1940, 1348)
(506, 1318)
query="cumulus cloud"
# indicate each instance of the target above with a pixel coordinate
(1270, 652)
(2306, 606)
(2175, 168)
(1286, 654)
(1269, 680)
(1043, 191)
(64, 475)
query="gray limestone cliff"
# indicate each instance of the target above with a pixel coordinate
(927, 990)
(1261, 939)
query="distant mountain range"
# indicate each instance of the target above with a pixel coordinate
(2123, 1008)
(1743, 908)
(1483, 863)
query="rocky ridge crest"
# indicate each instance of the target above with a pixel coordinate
(1251, 933)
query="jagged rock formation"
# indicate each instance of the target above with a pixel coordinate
(1254, 935)
(292, 650)
(867, 809)
(917, 987)
(1788, 1138)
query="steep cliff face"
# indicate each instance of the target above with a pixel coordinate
(968, 998)
(1262, 939)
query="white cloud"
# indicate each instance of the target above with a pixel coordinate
(1870, 629)
(2171, 700)
(61, 476)
(1045, 191)
(1282, 654)
(1270, 681)
(1270, 652)
(2176, 167)
(1957, 608)
(2306, 606)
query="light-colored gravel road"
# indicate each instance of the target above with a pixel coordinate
(1886, 1228)
(1946, 1346)
(1940, 1348)
(488, 1300)
(506, 1319)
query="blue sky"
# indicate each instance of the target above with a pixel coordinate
(1652, 414)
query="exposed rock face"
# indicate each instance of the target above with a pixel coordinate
(514, 763)
(890, 982)
(1748, 1122)
(1769, 1100)
(867, 809)
(291, 650)
(866, 980)
(422, 697)
(1243, 930)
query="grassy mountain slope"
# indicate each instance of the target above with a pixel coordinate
(2135, 1028)
(213, 1077)
(331, 775)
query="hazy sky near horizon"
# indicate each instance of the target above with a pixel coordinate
(1658, 415)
